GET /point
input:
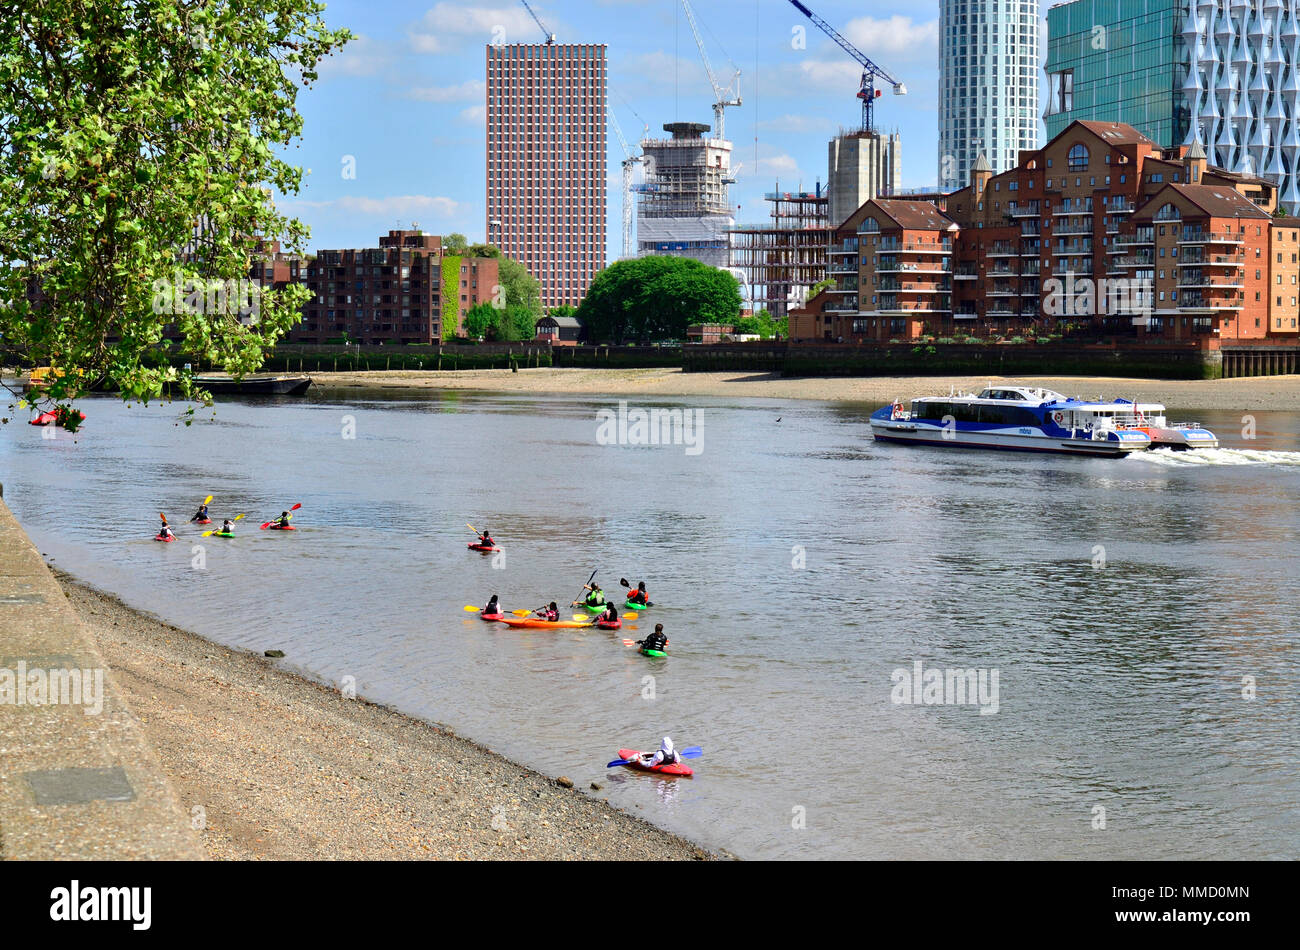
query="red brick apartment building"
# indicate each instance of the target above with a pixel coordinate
(546, 165)
(392, 293)
(1063, 241)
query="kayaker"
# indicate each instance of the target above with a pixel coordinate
(282, 521)
(594, 599)
(201, 514)
(485, 539)
(493, 608)
(551, 612)
(609, 616)
(227, 527)
(656, 640)
(666, 755)
(165, 531)
(638, 596)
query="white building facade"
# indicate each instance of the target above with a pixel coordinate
(989, 68)
(1242, 87)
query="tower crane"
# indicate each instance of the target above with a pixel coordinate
(720, 94)
(550, 37)
(867, 91)
(630, 162)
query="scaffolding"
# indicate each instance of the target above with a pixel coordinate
(777, 263)
(684, 209)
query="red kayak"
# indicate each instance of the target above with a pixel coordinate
(609, 624)
(54, 418)
(283, 527)
(485, 548)
(491, 616)
(159, 537)
(204, 521)
(634, 762)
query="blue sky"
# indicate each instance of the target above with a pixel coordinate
(405, 101)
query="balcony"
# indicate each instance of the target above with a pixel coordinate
(1198, 236)
(1003, 269)
(894, 267)
(848, 247)
(1067, 229)
(1001, 249)
(1029, 210)
(1196, 280)
(1072, 210)
(1146, 259)
(894, 247)
(1121, 206)
(966, 272)
(1198, 258)
(1204, 304)
(1073, 250)
(842, 267)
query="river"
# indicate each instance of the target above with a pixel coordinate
(1139, 615)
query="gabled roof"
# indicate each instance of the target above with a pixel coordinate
(914, 215)
(570, 322)
(1217, 201)
(1112, 133)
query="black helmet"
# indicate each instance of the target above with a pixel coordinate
(640, 585)
(659, 628)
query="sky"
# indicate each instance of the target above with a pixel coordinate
(394, 128)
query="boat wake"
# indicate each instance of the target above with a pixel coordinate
(1200, 457)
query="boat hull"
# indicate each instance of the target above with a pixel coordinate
(254, 385)
(920, 434)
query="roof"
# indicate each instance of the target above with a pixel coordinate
(1217, 201)
(570, 322)
(1286, 222)
(1195, 153)
(1113, 133)
(914, 215)
(982, 164)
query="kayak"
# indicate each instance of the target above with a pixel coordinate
(486, 549)
(677, 768)
(594, 608)
(223, 534)
(533, 622)
(491, 616)
(283, 527)
(644, 652)
(44, 419)
(159, 537)
(609, 624)
(204, 521)
(635, 606)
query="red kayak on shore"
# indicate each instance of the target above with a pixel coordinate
(633, 758)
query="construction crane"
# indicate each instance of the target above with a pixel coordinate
(720, 94)
(630, 162)
(550, 37)
(867, 91)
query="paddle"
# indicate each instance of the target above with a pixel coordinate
(215, 530)
(527, 613)
(267, 524)
(694, 752)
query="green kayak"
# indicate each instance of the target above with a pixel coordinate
(223, 534)
(645, 652)
(595, 608)
(631, 606)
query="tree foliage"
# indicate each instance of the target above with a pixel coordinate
(509, 324)
(763, 324)
(454, 243)
(522, 288)
(139, 156)
(657, 298)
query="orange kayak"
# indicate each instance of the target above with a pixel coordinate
(542, 624)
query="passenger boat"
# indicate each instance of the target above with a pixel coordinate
(1026, 419)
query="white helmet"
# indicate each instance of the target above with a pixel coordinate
(666, 746)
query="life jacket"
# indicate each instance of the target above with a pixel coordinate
(637, 596)
(595, 598)
(552, 615)
(656, 641)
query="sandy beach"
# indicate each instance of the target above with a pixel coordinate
(283, 768)
(1243, 394)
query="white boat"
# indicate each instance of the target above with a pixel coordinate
(1028, 419)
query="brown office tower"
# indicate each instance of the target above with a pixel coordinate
(546, 167)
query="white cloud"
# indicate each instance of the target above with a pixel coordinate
(778, 164)
(363, 56)
(442, 27)
(466, 91)
(897, 38)
(474, 114)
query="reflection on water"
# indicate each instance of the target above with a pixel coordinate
(794, 564)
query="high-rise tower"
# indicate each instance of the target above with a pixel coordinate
(988, 85)
(546, 166)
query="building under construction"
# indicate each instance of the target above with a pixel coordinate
(777, 264)
(684, 209)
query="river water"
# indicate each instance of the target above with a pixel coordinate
(1140, 614)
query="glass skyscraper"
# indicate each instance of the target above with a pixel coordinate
(988, 85)
(1118, 61)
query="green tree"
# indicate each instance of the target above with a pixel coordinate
(479, 319)
(141, 147)
(455, 243)
(521, 287)
(564, 310)
(657, 298)
(818, 287)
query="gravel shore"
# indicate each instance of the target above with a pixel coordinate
(1238, 395)
(276, 767)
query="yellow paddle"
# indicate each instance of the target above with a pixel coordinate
(215, 530)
